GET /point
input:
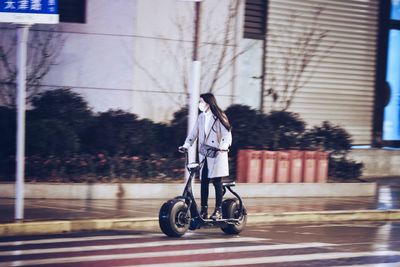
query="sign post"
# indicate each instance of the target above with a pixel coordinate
(24, 13)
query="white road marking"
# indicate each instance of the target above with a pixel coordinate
(134, 245)
(159, 254)
(355, 225)
(275, 259)
(389, 264)
(74, 239)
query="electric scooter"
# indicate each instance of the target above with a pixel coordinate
(181, 214)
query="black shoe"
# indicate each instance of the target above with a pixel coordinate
(204, 212)
(217, 215)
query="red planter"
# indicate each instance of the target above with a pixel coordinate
(283, 167)
(296, 166)
(322, 167)
(309, 166)
(249, 166)
(292, 166)
(268, 167)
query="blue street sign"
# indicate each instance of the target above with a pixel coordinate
(29, 11)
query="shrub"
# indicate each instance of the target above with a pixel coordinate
(337, 142)
(7, 168)
(66, 141)
(152, 138)
(328, 137)
(50, 137)
(63, 105)
(87, 168)
(287, 129)
(177, 131)
(8, 130)
(117, 132)
(344, 168)
(112, 132)
(250, 128)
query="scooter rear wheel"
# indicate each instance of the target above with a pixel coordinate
(231, 210)
(174, 218)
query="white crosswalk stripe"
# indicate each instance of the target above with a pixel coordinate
(126, 246)
(275, 259)
(173, 253)
(394, 264)
(152, 250)
(73, 239)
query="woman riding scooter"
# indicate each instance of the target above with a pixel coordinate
(214, 132)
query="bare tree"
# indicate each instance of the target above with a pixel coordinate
(218, 50)
(217, 58)
(299, 51)
(44, 46)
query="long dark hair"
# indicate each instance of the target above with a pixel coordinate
(216, 110)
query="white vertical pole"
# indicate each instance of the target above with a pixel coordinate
(22, 40)
(194, 97)
(194, 82)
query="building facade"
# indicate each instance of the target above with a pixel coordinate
(326, 60)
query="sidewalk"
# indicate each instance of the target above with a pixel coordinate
(65, 215)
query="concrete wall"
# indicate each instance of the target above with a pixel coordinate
(166, 191)
(378, 162)
(163, 54)
(136, 55)
(97, 58)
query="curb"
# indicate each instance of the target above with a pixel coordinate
(325, 216)
(165, 191)
(56, 227)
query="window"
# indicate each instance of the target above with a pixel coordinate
(73, 11)
(391, 113)
(391, 121)
(255, 19)
(395, 10)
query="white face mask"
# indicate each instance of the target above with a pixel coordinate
(202, 106)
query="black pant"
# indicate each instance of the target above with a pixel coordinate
(205, 181)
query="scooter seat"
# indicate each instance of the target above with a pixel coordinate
(193, 165)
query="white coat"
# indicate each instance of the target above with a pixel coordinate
(218, 137)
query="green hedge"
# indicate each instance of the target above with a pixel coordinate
(66, 141)
(89, 168)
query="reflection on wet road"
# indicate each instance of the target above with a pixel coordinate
(388, 197)
(312, 245)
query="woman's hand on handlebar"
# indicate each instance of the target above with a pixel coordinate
(182, 149)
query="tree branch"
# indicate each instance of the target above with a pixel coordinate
(233, 11)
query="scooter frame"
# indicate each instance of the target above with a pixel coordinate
(196, 221)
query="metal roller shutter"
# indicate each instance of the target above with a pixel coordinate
(340, 88)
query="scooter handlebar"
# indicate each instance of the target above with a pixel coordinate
(183, 149)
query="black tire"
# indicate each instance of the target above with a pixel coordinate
(174, 218)
(230, 209)
(192, 207)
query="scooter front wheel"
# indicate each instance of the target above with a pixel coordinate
(231, 210)
(174, 218)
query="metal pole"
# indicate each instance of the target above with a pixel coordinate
(264, 58)
(196, 36)
(194, 86)
(22, 40)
